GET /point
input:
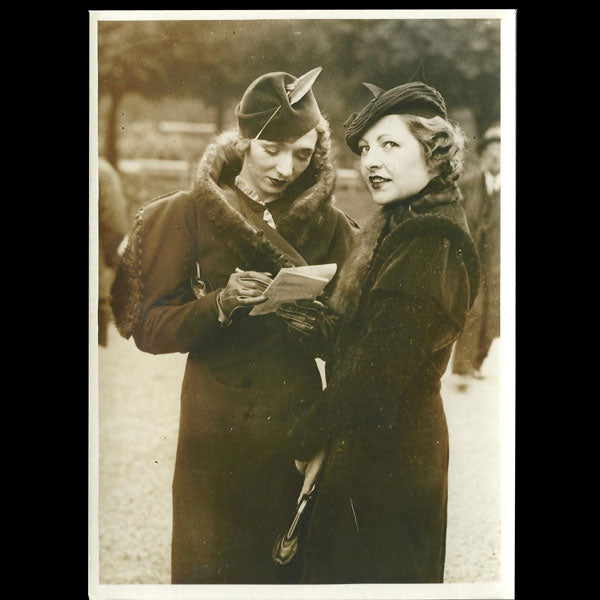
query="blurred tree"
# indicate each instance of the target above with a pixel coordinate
(216, 60)
(460, 58)
(132, 57)
(208, 62)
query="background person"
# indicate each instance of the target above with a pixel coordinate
(380, 512)
(195, 262)
(481, 194)
(112, 228)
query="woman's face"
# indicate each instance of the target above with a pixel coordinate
(392, 161)
(270, 167)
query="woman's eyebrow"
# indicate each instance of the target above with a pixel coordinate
(382, 135)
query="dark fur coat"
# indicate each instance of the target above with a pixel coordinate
(235, 480)
(380, 512)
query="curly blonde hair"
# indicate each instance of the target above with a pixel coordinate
(443, 143)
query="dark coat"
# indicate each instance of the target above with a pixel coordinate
(380, 512)
(235, 481)
(483, 325)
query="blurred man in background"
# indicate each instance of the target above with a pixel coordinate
(112, 228)
(482, 204)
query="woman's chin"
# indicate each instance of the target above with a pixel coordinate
(380, 197)
(383, 199)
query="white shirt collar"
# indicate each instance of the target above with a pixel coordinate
(492, 182)
(246, 189)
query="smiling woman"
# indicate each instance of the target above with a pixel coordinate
(392, 161)
(400, 154)
(402, 297)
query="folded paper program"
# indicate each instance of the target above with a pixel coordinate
(295, 283)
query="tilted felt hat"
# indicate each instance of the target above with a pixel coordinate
(415, 98)
(491, 135)
(279, 107)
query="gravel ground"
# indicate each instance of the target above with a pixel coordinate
(138, 409)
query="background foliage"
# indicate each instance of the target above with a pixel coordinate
(197, 71)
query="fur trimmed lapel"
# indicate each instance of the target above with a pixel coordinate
(430, 212)
(344, 298)
(220, 163)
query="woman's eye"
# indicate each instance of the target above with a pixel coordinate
(304, 157)
(389, 144)
(271, 151)
(363, 149)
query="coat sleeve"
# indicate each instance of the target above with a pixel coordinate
(432, 269)
(411, 314)
(160, 260)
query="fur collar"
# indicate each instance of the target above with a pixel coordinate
(433, 210)
(220, 163)
(311, 198)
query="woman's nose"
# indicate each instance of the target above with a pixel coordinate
(284, 164)
(371, 159)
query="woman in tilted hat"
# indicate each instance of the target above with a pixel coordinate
(196, 261)
(379, 515)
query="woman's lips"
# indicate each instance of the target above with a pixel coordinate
(277, 182)
(376, 181)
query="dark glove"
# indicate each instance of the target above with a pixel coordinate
(311, 324)
(244, 288)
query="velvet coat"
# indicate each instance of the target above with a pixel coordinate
(380, 510)
(235, 481)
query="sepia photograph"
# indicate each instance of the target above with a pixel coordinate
(301, 318)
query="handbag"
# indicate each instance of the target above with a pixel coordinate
(287, 544)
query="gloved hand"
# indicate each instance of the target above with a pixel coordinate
(244, 288)
(310, 469)
(309, 323)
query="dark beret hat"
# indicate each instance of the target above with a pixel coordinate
(413, 98)
(260, 101)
